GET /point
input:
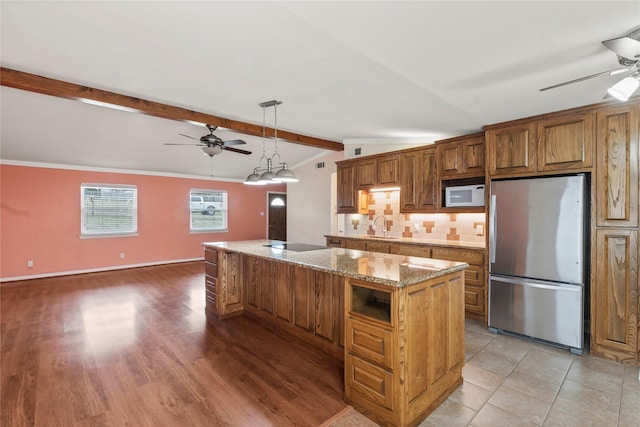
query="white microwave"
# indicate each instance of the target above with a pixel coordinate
(464, 195)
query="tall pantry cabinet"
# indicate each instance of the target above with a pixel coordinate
(615, 301)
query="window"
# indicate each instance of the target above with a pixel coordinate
(208, 210)
(108, 210)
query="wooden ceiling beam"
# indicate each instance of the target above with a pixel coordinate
(47, 86)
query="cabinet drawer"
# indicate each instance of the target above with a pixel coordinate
(360, 245)
(459, 255)
(411, 250)
(378, 247)
(369, 342)
(474, 275)
(364, 380)
(211, 283)
(335, 243)
(474, 299)
(211, 255)
(210, 269)
(211, 300)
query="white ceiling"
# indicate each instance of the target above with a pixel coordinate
(345, 71)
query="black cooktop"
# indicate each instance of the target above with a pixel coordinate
(296, 247)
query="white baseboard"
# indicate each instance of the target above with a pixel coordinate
(95, 270)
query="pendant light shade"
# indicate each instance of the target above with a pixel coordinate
(269, 176)
(254, 179)
(285, 174)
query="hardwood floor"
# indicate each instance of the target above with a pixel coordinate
(132, 347)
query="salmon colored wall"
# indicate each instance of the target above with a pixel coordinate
(40, 220)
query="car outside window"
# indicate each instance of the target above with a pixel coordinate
(207, 210)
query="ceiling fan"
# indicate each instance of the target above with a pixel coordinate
(211, 144)
(628, 50)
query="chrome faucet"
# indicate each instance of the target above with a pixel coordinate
(384, 224)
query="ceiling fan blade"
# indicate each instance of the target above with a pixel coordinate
(234, 142)
(610, 73)
(236, 150)
(625, 47)
(189, 136)
(178, 143)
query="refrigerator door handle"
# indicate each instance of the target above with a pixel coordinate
(532, 284)
(492, 230)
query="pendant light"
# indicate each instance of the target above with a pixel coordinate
(269, 176)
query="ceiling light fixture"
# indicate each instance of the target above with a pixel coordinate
(269, 176)
(625, 87)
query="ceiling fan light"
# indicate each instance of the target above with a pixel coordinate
(211, 150)
(624, 88)
(285, 175)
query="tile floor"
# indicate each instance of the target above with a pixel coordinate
(510, 381)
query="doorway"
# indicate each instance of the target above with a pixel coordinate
(277, 216)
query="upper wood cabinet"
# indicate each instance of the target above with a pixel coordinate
(556, 143)
(377, 171)
(366, 173)
(347, 196)
(462, 156)
(617, 167)
(566, 143)
(387, 170)
(418, 181)
(511, 149)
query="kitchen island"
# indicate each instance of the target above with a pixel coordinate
(396, 321)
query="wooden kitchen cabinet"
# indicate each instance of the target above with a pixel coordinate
(475, 292)
(222, 291)
(566, 143)
(347, 194)
(614, 308)
(377, 171)
(617, 167)
(410, 250)
(366, 173)
(417, 179)
(399, 368)
(308, 303)
(461, 157)
(387, 170)
(360, 245)
(511, 149)
(615, 301)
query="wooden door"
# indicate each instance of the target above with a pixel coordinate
(615, 299)
(408, 181)
(366, 173)
(387, 170)
(566, 143)
(347, 195)
(450, 158)
(617, 167)
(277, 216)
(473, 156)
(511, 150)
(427, 184)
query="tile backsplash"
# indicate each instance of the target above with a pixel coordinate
(466, 227)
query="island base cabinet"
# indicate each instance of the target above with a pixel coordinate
(222, 285)
(399, 368)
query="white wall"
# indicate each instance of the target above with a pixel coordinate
(309, 207)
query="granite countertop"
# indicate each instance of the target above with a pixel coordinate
(386, 269)
(414, 241)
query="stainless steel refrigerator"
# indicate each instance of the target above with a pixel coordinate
(537, 271)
